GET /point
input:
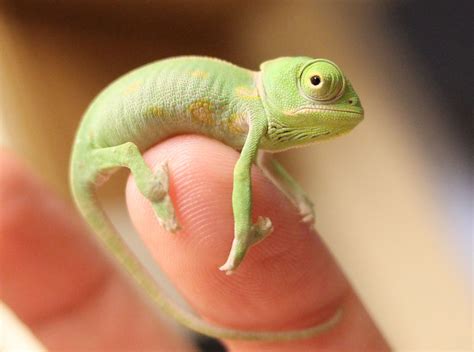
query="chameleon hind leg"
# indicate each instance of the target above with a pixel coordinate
(275, 172)
(153, 186)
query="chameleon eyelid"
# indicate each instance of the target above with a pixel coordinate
(311, 98)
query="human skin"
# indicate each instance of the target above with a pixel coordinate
(295, 284)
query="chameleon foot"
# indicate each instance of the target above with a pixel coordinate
(161, 201)
(165, 214)
(261, 229)
(282, 180)
(306, 210)
(158, 188)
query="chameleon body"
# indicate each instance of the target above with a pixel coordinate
(291, 101)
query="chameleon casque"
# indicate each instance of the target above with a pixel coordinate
(290, 102)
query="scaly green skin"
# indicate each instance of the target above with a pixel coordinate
(291, 102)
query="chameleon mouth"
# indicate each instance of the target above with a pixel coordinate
(311, 109)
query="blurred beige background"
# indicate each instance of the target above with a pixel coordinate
(377, 191)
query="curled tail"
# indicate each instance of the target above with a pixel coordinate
(83, 188)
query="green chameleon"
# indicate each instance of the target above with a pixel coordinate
(291, 101)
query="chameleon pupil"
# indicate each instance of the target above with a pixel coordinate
(315, 80)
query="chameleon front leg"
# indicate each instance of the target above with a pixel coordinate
(153, 186)
(245, 233)
(275, 172)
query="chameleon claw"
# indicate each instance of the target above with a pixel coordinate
(261, 229)
(165, 214)
(170, 225)
(231, 263)
(308, 219)
(227, 269)
(306, 210)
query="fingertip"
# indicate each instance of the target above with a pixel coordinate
(290, 259)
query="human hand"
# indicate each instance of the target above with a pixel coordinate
(73, 299)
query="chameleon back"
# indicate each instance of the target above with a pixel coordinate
(171, 97)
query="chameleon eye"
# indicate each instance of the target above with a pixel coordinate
(321, 80)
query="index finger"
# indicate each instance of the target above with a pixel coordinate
(288, 281)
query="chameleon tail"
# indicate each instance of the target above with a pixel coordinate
(86, 199)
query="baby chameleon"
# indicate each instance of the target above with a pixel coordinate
(290, 102)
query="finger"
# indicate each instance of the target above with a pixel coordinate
(288, 281)
(57, 281)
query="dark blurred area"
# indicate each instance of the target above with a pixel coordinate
(440, 35)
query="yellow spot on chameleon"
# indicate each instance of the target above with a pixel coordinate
(199, 74)
(132, 88)
(237, 124)
(203, 112)
(245, 92)
(154, 112)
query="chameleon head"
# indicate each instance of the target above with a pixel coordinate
(306, 100)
